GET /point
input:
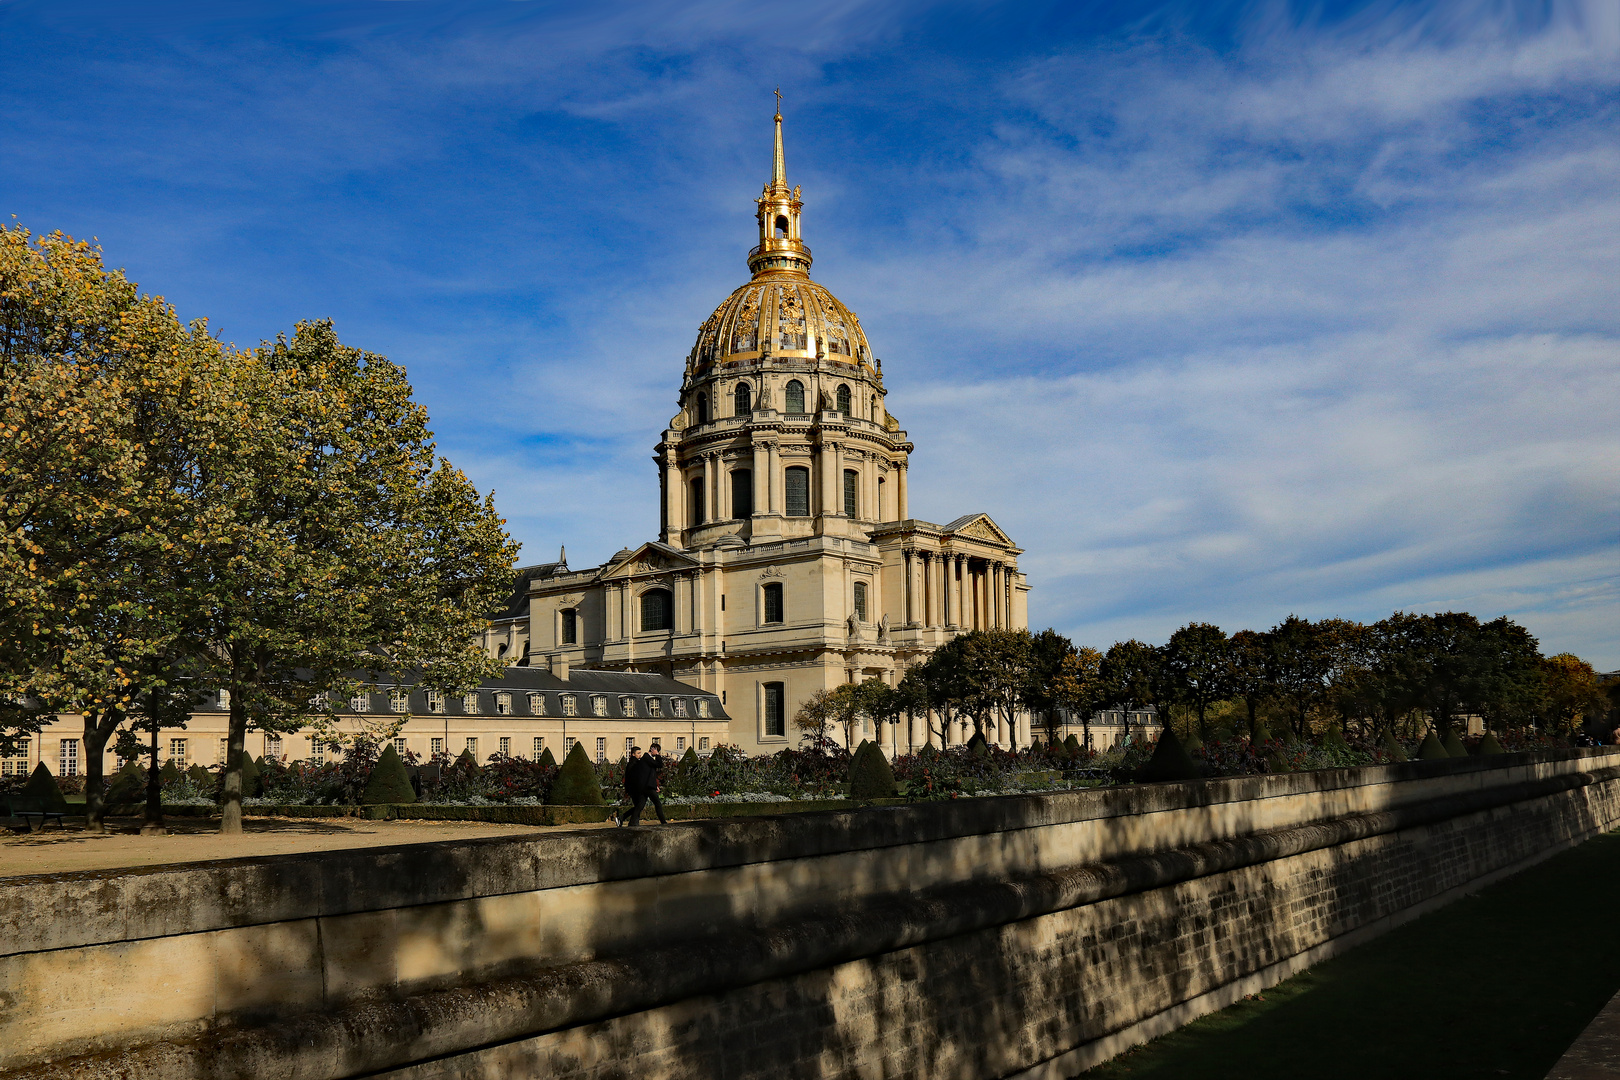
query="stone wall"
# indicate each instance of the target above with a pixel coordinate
(978, 938)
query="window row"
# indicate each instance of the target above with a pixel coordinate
(795, 494)
(793, 401)
(502, 704)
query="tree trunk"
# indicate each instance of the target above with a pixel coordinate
(96, 733)
(230, 811)
(1203, 728)
(153, 824)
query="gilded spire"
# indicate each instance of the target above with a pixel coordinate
(780, 250)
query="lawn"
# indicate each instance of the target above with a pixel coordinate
(1493, 985)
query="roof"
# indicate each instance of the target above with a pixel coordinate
(517, 604)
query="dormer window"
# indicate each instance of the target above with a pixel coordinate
(654, 707)
(703, 707)
(399, 701)
(435, 701)
(570, 705)
(537, 705)
(679, 705)
(627, 706)
(503, 704)
(598, 704)
(469, 703)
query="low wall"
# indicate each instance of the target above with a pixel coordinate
(979, 938)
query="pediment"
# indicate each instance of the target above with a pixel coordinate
(650, 558)
(979, 527)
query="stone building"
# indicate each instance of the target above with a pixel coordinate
(787, 559)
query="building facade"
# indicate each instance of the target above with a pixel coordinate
(787, 559)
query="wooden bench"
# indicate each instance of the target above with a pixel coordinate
(24, 809)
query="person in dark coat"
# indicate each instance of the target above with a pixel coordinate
(641, 783)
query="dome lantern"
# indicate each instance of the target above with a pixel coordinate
(781, 250)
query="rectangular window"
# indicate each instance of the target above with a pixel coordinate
(696, 504)
(472, 748)
(539, 746)
(703, 742)
(437, 746)
(601, 750)
(568, 745)
(703, 706)
(224, 750)
(503, 704)
(317, 751)
(598, 704)
(537, 705)
(679, 705)
(469, 704)
(570, 705)
(360, 703)
(272, 747)
(224, 698)
(435, 701)
(628, 743)
(680, 743)
(68, 759)
(399, 701)
(773, 602)
(627, 706)
(774, 721)
(570, 627)
(506, 747)
(655, 707)
(797, 489)
(860, 601)
(742, 493)
(399, 747)
(852, 482)
(177, 752)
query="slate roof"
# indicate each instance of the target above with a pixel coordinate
(517, 604)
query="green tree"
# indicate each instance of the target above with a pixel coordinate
(1247, 652)
(1298, 668)
(988, 674)
(1197, 669)
(821, 712)
(1132, 676)
(1048, 653)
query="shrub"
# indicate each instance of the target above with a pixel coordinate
(1490, 745)
(42, 786)
(128, 785)
(1333, 738)
(169, 773)
(388, 783)
(690, 759)
(1071, 748)
(199, 776)
(576, 783)
(546, 758)
(978, 745)
(870, 776)
(1431, 748)
(252, 784)
(1392, 748)
(1454, 745)
(1170, 761)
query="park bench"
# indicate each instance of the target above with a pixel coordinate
(25, 808)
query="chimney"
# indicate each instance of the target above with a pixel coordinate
(559, 666)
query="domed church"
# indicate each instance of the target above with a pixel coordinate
(787, 559)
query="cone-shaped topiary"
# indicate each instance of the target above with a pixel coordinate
(1490, 744)
(199, 776)
(1192, 743)
(1431, 748)
(1276, 762)
(1035, 746)
(169, 773)
(576, 782)
(252, 783)
(870, 776)
(690, 758)
(1170, 761)
(467, 761)
(545, 758)
(928, 753)
(128, 785)
(42, 786)
(388, 782)
(977, 745)
(1333, 738)
(1454, 746)
(1259, 734)
(1393, 748)
(1071, 747)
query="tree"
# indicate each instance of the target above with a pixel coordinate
(1298, 667)
(1049, 650)
(822, 711)
(1572, 691)
(1197, 668)
(1079, 687)
(876, 702)
(1247, 651)
(1132, 677)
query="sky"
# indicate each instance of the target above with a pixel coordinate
(1224, 311)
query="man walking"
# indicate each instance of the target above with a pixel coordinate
(641, 783)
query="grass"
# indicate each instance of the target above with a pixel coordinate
(1493, 985)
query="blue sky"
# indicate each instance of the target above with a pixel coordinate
(1224, 311)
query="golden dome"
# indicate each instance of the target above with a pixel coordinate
(783, 317)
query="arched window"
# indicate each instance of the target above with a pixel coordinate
(860, 601)
(880, 508)
(703, 408)
(872, 415)
(696, 503)
(781, 226)
(745, 399)
(797, 490)
(773, 602)
(852, 484)
(570, 626)
(843, 400)
(794, 394)
(656, 610)
(742, 493)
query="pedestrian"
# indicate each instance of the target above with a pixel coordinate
(641, 784)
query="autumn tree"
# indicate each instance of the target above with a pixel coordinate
(1573, 694)
(1049, 650)
(1079, 687)
(1132, 677)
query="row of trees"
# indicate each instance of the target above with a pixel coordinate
(1358, 676)
(180, 516)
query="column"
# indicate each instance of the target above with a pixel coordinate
(869, 500)
(924, 571)
(680, 596)
(761, 478)
(711, 502)
(995, 593)
(674, 492)
(830, 501)
(778, 504)
(903, 509)
(905, 559)
(722, 482)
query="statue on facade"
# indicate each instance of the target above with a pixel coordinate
(883, 628)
